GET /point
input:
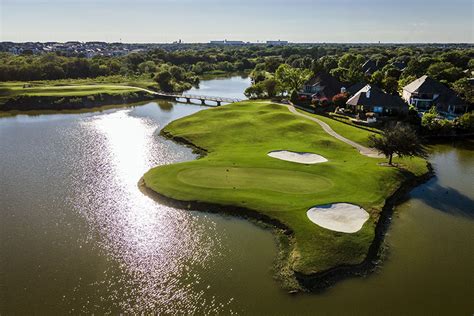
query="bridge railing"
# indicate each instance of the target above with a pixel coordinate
(208, 98)
(200, 97)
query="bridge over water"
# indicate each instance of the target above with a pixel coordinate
(202, 98)
(180, 97)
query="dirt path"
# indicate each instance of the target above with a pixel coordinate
(366, 151)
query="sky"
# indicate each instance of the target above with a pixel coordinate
(309, 21)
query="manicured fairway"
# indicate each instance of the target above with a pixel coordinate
(237, 171)
(69, 88)
(274, 180)
(16, 88)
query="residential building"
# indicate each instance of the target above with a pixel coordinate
(321, 87)
(369, 67)
(352, 90)
(372, 99)
(426, 92)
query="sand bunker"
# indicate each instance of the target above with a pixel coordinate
(305, 158)
(340, 217)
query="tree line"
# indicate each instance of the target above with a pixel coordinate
(392, 69)
(394, 66)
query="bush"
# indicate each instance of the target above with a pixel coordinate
(466, 122)
(75, 100)
(430, 120)
(340, 99)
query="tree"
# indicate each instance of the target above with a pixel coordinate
(444, 71)
(258, 76)
(328, 62)
(147, 67)
(417, 66)
(163, 78)
(456, 57)
(390, 85)
(401, 140)
(464, 88)
(177, 73)
(291, 79)
(270, 86)
(391, 71)
(317, 66)
(377, 78)
(353, 75)
(272, 63)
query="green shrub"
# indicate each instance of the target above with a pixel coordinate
(466, 121)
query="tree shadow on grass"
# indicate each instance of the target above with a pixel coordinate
(445, 199)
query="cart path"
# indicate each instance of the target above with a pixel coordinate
(366, 151)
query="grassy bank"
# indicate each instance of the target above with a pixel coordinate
(236, 171)
(63, 88)
(16, 97)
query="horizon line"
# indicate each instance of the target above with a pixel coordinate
(243, 42)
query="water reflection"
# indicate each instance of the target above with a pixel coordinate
(157, 248)
(165, 106)
(77, 235)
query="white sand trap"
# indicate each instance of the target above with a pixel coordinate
(340, 217)
(305, 158)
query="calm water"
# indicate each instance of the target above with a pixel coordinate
(220, 87)
(77, 235)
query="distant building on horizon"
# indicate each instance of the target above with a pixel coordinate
(277, 42)
(226, 42)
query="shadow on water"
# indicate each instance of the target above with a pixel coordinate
(445, 199)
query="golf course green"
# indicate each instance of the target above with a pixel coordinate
(234, 171)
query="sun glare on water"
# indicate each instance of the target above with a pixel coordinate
(154, 246)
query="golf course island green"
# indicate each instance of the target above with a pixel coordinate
(235, 172)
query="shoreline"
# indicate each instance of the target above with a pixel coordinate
(373, 258)
(279, 230)
(305, 282)
(98, 108)
(63, 103)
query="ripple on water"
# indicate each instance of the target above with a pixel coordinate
(153, 251)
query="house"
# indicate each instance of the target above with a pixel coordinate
(355, 88)
(426, 92)
(323, 86)
(369, 67)
(373, 99)
(400, 65)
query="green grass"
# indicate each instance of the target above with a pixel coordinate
(11, 89)
(237, 171)
(72, 87)
(358, 135)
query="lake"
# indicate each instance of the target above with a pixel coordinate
(78, 236)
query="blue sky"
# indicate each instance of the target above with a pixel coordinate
(204, 20)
